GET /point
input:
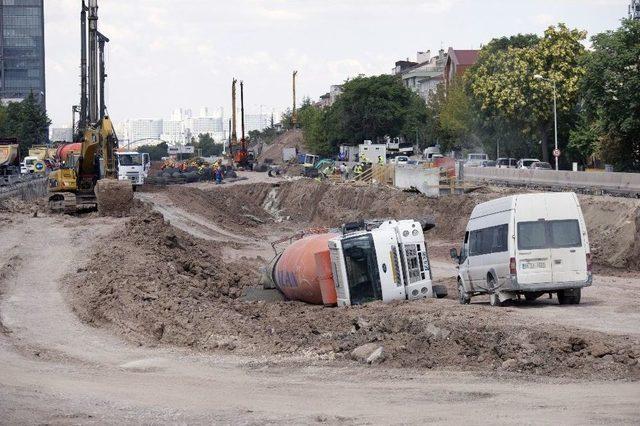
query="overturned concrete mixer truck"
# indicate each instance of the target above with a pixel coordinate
(363, 262)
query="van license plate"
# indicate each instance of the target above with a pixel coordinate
(533, 265)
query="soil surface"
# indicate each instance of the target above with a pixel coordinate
(169, 281)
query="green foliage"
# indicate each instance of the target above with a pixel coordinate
(207, 147)
(369, 108)
(267, 135)
(156, 152)
(26, 121)
(611, 94)
(504, 86)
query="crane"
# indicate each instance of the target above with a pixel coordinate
(78, 186)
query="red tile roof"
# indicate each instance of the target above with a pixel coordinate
(464, 57)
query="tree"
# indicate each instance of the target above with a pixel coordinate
(206, 146)
(610, 125)
(156, 152)
(503, 82)
(26, 121)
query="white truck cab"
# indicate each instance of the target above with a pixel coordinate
(28, 165)
(528, 244)
(133, 166)
(383, 261)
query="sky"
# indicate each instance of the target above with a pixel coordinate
(166, 54)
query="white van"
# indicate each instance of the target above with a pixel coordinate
(528, 244)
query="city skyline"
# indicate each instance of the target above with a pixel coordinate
(191, 60)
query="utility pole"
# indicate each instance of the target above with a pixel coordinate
(555, 115)
(294, 113)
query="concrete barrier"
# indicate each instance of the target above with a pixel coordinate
(627, 183)
(427, 181)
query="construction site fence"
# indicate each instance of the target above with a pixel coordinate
(26, 190)
(626, 184)
(426, 180)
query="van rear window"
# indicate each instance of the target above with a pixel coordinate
(549, 234)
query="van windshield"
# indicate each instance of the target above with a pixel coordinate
(549, 234)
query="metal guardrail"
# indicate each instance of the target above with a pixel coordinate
(627, 184)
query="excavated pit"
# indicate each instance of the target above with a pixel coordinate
(162, 286)
(613, 223)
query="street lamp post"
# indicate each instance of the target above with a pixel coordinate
(555, 112)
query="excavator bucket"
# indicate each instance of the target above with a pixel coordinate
(115, 198)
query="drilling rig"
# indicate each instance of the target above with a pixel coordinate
(90, 180)
(238, 150)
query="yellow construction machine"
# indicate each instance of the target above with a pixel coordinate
(91, 181)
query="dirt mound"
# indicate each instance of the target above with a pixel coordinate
(16, 205)
(289, 139)
(161, 286)
(150, 281)
(115, 198)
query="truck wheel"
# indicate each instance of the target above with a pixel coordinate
(570, 297)
(463, 297)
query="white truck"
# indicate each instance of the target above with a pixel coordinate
(380, 260)
(387, 263)
(134, 167)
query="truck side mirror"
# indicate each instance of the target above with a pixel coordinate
(454, 254)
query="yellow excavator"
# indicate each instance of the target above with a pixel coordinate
(91, 181)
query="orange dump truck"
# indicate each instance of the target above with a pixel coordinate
(381, 260)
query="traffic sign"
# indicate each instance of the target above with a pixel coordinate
(556, 153)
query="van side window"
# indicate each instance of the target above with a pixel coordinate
(489, 240)
(500, 239)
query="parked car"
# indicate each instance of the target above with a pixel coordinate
(475, 160)
(541, 165)
(506, 163)
(401, 159)
(488, 163)
(528, 244)
(525, 163)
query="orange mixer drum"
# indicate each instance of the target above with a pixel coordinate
(303, 272)
(64, 150)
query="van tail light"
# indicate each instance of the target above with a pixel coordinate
(512, 266)
(589, 263)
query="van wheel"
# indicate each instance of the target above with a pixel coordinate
(570, 297)
(495, 300)
(463, 297)
(492, 284)
(530, 297)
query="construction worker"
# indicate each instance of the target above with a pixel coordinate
(363, 159)
(344, 171)
(380, 160)
(358, 170)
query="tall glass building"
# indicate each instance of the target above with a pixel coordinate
(22, 50)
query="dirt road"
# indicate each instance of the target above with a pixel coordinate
(56, 369)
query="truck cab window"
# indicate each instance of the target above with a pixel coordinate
(362, 269)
